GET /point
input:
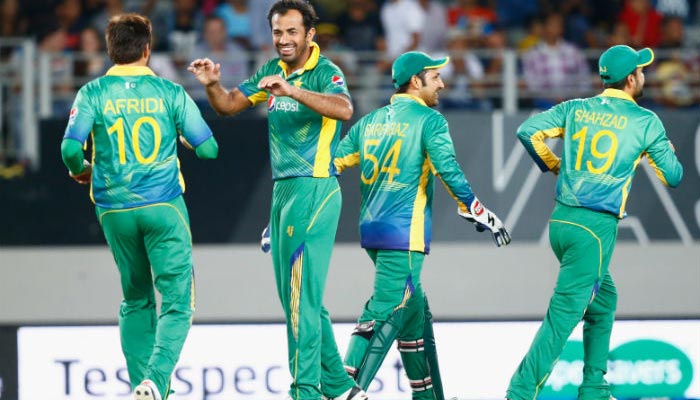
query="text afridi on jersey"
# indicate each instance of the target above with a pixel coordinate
(136, 105)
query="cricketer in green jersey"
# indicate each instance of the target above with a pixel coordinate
(307, 99)
(134, 119)
(399, 148)
(605, 137)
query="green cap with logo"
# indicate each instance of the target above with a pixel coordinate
(412, 63)
(619, 61)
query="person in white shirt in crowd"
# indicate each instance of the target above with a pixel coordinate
(216, 44)
(403, 22)
(434, 35)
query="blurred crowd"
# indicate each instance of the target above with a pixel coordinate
(557, 42)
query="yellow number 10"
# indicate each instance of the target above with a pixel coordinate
(121, 146)
(608, 155)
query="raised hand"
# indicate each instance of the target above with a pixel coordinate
(206, 71)
(276, 85)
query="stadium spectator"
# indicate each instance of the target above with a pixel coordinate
(90, 8)
(52, 43)
(217, 45)
(434, 35)
(185, 23)
(603, 18)
(235, 14)
(260, 33)
(554, 69)
(11, 21)
(577, 27)
(643, 23)
(532, 35)
(463, 75)
(68, 15)
(109, 9)
(328, 39)
(469, 15)
(677, 67)
(361, 30)
(90, 60)
(403, 22)
(619, 35)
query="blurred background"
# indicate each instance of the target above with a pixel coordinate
(509, 58)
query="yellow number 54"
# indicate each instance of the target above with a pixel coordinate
(388, 164)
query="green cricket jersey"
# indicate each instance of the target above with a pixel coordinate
(134, 118)
(605, 137)
(301, 140)
(398, 148)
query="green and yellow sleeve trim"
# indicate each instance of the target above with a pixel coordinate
(347, 161)
(544, 156)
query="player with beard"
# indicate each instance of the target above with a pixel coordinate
(307, 99)
(605, 137)
(398, 148)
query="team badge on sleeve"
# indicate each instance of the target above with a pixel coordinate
(72, 116)
(337, 80)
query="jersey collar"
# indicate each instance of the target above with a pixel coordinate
(400, 96)
(129, 70)
(617, 93)
(308, 65)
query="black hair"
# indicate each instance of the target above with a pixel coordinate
(127, 37)
(617, 85)
(213, 17)
(421, 75)
(306, 9)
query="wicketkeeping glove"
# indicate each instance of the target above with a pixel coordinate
(484, 219)
(265, 240)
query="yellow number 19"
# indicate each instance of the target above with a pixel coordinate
(608, 155)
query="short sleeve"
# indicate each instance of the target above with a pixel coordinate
(190, 123)
(250, 89)
(81, 117)
(331, 80)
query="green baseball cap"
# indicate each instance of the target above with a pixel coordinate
(412, 63)
(619, 61)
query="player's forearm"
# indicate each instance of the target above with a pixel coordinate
(72, 154)
(209, 149)
(332, 106)
(456, 184)
(538, 150)
(225, 102)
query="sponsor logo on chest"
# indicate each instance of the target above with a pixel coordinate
(283, 104)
